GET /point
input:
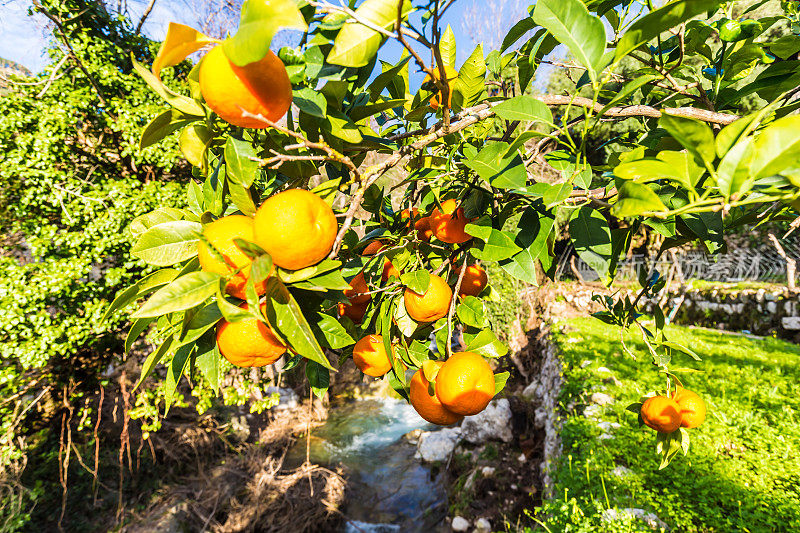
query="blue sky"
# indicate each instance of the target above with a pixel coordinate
(24, 38)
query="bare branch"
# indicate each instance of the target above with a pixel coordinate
(145, 15)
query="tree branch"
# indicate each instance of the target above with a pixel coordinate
(144, 16)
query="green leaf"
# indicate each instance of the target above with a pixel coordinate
(525, 108)
(208, 361)
(168, 243)
(176, 369)
(471, 312)
(202, 321)
(496, 165)
(532, 236)
(487, 344)
(628, 89)
(339, 125)
(260, 20)
(364, 111)
(447, 46)
(142, 223)
(285, 315)
(319, 377)
(184, 104)
(240, 161)
(776, 148)
(517, 30)
(693, 135)
(331, 332)
(162, 125)
(417, 280)
(592, 238)
(356, 44)
(241, 197)
(660, 20)
(183, 293)
(293, 276)
(332, 280)
(405, 323)
(496, 245)
(635, 199)
(500, 382)
(571, 23)
(681, 348)
(137, 328)
(152, 359)
(311, 102)
(733, 173)
(469, 86)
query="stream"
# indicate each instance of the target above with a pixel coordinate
(387, 488)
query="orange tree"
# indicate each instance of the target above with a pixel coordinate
(301, 250)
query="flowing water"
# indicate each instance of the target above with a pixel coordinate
(388, 489)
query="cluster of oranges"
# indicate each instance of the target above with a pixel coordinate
(298, 229)
(665, 414)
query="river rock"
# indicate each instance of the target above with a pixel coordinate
(654, 522)
(459, 523)
(437, 445)
(288, 398)
(601, 398)
(482, 525)
(355, 526)
(493, 423)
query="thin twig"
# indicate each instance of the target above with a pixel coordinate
(144, 16)
(451, 311)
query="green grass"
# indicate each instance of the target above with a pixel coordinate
(742, 472)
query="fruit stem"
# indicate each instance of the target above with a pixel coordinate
(449, 347)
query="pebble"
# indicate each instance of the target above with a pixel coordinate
(459, 523)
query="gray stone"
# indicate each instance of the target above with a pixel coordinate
(493, 423)
(621, 471)
(240, 429)
(356, 526)
(482, 525)
(654, 522)
(608, 426)
(437, 445)
(771, 306)
(413, 436)
(592, 411)
(540, 418)
(288, 398)
(601, 398)
(487, 471)
(790, 322)
(533, 392)
(459, 523)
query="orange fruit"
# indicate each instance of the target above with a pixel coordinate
(388, 268)
(474, 281)
(220, 234)
(661, 413)
(424, 230)
(260, 88)
(448, 224)
(431, 305)
(248, 342)
(369, 355)
(358, 289)
(436, 99)
(692, 408)
(296, 227)
(465, 383)
(354, 312)
(428, 406)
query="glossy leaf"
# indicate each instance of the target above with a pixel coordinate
(162, 125)
(496, 245)
(634, 199)
(592, 238)
(180, 42)
(487, 344)
(240, 161)
(469, 86)
(356, 44)
(260, 20)
(152, 359)
(285, 315)
(319, 377)
(168, 243)
(417, 280)
(525, 108)
(472, 312)
(447, 46)
(496, 165)
(776, 148)
(500, 380)
(183, 293)
(208, 360)
(571, 23)
(694, 135)
(331, 332)
(182, 103)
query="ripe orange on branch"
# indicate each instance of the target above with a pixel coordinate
(433, 304)
(296, 227)
(474, 281)
(260, 88)
(661, 413)
(369, 355)
(448, 223)
(389, 270)
(221, 234)
(465, 383)
(428, 405)
(692, 408)
(248, 342)
(357, 293)
(354, 312)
